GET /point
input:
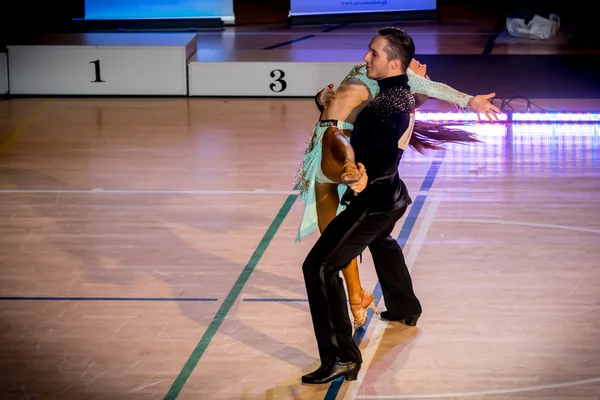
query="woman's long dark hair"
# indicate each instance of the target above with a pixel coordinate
(433, 135)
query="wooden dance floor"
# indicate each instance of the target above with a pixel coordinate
(147, 250)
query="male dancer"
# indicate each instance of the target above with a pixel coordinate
(374, 204)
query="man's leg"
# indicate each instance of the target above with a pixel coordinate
(343, 240)
(325, 289)
(392, 272)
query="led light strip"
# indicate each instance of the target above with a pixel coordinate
(511, 116)
(556, 116)
(453, 116)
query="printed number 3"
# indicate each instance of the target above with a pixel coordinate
(279, 79)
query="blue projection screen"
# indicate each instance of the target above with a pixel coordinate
(315, 7)
(157, 9)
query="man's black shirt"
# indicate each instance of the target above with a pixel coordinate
(375, 139)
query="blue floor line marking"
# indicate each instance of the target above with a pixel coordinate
(50, 298)
(275, 300)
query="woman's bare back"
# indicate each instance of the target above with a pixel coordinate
(350, 98)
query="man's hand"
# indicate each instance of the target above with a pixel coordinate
(362, 182)
(481, 104)
(326, 95)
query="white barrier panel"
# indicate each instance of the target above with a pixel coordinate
(264, 78)
(3, 75)
(102, 64)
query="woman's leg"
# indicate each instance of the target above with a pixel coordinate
(337, 162)
(327, 201)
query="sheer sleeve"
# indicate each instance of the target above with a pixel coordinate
(436, 90)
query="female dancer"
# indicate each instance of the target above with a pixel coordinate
(328, 164)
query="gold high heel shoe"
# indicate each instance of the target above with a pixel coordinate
(359, 311)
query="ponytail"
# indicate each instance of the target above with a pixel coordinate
(432, 136)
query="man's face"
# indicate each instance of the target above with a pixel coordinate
(378, 64)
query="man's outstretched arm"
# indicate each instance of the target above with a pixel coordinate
(441, 91)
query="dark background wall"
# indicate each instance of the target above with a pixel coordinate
(28, 16)
(571, 75)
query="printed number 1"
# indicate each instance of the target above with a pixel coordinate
(97, 70)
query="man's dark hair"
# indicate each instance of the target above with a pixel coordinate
(400, 45)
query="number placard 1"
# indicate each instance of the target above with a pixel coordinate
(89, 70)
